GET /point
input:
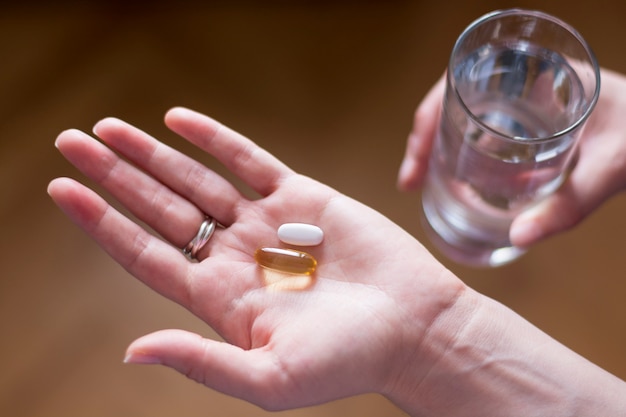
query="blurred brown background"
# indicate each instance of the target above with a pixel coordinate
(328, 86)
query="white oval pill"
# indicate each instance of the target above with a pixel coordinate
(300, 234)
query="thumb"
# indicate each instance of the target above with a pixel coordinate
(555, 214)
(218, 365)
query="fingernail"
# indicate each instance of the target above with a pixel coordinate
(110, 121)
(141, 359)
(58, 138)
(96, 127)
(406, 170)
(525, 232)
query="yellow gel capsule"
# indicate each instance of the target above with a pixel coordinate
(286, 260)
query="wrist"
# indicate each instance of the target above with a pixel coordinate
(479, 358)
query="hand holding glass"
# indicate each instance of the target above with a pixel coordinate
(520, 86)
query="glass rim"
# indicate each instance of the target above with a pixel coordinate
(543, 16)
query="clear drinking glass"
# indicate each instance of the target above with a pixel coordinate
(520, 86)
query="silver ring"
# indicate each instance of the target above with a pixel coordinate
(204, 234)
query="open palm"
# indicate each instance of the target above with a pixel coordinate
(283, 347)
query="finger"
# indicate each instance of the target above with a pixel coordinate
(419, 144)
(148, 258)
(599, 174)
(557, 213)
(172, 216)
(210, 192)
(252, 375)
(584, 191)
(255, 166)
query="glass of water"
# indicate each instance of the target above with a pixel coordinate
(520, 86)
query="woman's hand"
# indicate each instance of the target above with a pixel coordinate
(381, 315)
(599, 174)
(355, 329)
